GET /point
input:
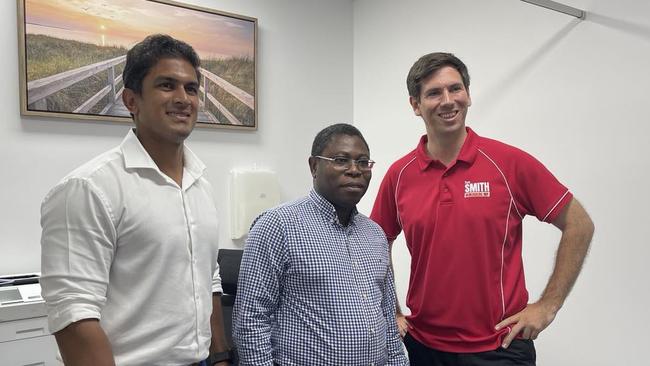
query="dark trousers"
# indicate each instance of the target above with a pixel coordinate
(521, 352)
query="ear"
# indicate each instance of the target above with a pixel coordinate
(469, 97)
(312, 166)
(415, 104)
(129, 99)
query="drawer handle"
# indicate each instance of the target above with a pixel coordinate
(36, 364)
(23, 331)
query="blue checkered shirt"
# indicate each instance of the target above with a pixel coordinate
(314, 292)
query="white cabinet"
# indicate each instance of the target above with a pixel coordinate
(26, 342)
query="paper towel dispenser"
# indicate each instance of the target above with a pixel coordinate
(251, 193)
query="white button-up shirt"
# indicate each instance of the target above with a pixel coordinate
(123, 243)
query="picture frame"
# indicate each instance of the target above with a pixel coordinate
(72, 54)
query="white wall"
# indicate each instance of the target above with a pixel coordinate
(574, 94)
(304, 83)
(571, 93)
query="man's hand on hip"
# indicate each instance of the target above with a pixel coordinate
(402, 325)
(530, 322)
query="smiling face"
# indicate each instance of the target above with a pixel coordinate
(165, 111)
(443, 102)
(344, 188)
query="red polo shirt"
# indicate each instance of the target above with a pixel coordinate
(463, 228)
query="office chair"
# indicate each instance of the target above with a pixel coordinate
(229, 261)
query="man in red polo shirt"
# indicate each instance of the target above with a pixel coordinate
(460, 200)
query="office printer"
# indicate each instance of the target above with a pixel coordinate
(20, 297)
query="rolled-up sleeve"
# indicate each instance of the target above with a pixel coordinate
(216, 281)
(77, 247)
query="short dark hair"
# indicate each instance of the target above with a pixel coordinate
(144, 55)
(429, 64)
(325, 136)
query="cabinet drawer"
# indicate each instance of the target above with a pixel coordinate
(24, 328)
(39, 351)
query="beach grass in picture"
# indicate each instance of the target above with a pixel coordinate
(73, 52)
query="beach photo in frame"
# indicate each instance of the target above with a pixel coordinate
(72, 54)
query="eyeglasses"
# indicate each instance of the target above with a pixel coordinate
(343, 163)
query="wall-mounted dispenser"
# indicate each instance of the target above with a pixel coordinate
(251, 192)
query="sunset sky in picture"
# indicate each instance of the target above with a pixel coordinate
(126, 22)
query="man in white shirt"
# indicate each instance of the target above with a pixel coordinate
(129, 242)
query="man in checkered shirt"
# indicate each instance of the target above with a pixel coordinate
(315, 284)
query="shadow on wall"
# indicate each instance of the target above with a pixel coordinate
(500, 89)
(639, 30)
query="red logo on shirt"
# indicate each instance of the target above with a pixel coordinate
(477, 189)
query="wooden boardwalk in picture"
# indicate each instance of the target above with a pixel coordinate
(119, 109)
(39, 90)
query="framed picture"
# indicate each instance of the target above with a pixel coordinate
(72, 54)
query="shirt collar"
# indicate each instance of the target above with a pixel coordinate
(467, 153)
(327, 208)
(136, 157)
